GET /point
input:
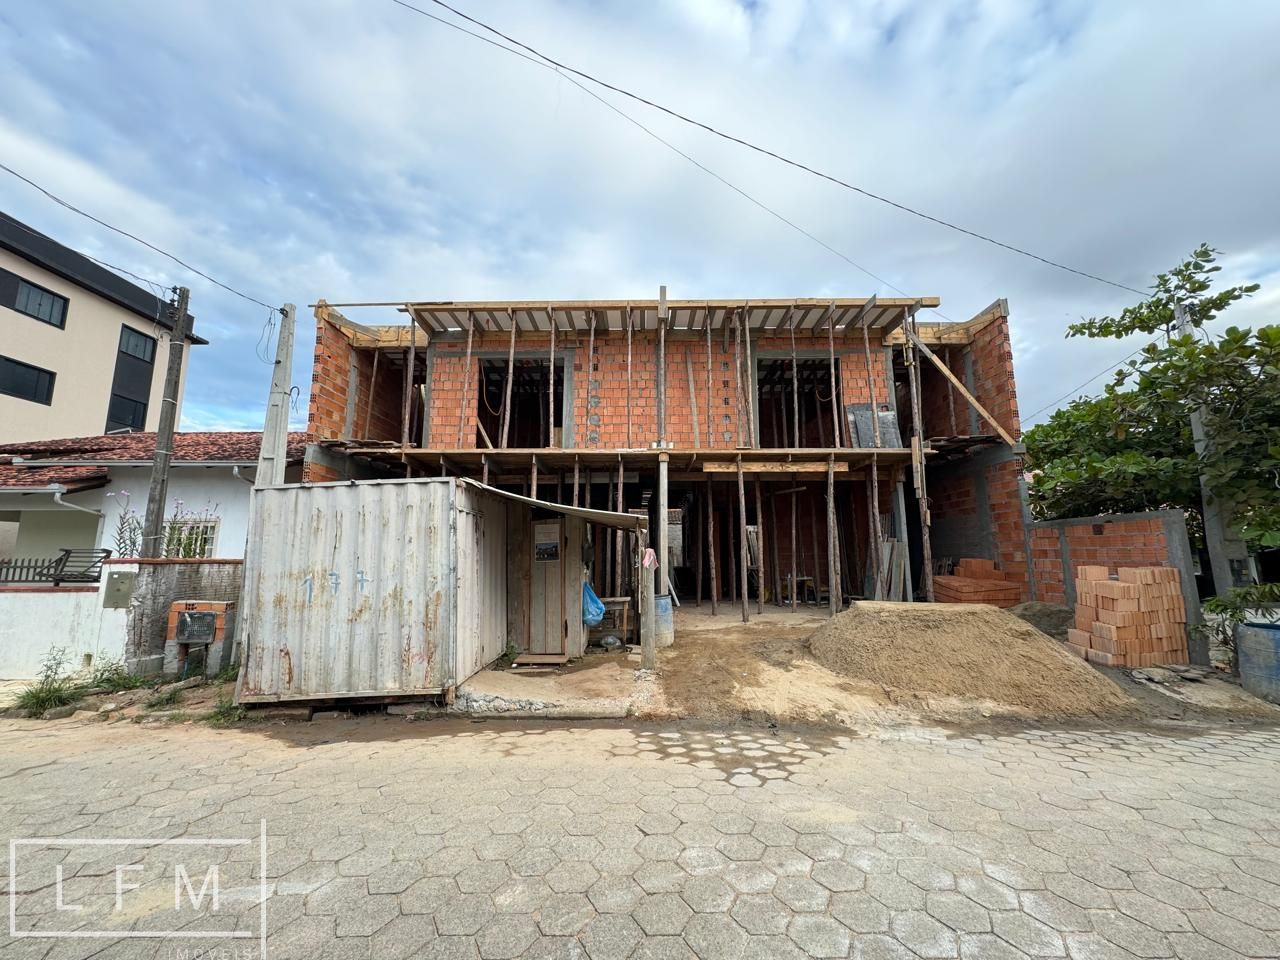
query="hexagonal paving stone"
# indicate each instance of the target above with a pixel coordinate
(1027, 934)
(564, 914)
(521, 895)
(838, 876)
(802, 894)
(403, 936)
(662, 914)
(761, 913)
(741, 847)
(707, 895)
(571, 877)
(958, 912)
(482, 877)
(819, 936)
(506, 938)
(924, 935)
(664, 948)
(464, 915)
(715, 936)
(611, 937)
(661, 877)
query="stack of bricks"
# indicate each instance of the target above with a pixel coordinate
(1136, 620)
(976, 581)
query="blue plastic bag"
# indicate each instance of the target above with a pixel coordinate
(592, 608)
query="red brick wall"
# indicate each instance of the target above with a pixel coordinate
(993, 376)
(327, 409)
(1117, 543)
(953, 494)
(935, 409)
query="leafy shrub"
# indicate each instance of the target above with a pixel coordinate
(54, 687)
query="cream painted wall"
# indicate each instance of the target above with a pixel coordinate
(83, 355)
(56, 529)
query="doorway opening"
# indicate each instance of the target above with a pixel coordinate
(532, 425)
(795, 411)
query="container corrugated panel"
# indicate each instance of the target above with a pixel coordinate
(481, 520)
(349, 591)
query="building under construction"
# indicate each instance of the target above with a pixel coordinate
(785, 451)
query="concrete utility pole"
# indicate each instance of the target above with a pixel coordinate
(1228, 554)
(273, 454)
(153, 524)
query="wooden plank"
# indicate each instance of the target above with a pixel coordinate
(373, 385)
(835, 387)
(742, 543)
(628, 322)
(748, 395)
(551, 382)
(662, 386)
(918, 470)
(760, 565)
(710, 406)
(466, 383)
(693, 399)
(795, 409)
(711, 552)
(773, 551)
(765, 466)
(591, 350)
(697, 552)
(511, 368)
(795, 566)
(835, 600)
(955, 382)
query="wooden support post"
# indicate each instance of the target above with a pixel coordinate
(795, 561)
(917, 449)
(871, 387)
(484, 469)
(410, 373)
(693, 399)
(533, 477)
(711, 551)
(711, 407)
(737, 376)
(748, 395)
(836, 601)
(618, 541)
(648, 624)
(773, 551)
(697, 552)
(575, 480)
(511, 369)
(813, 543)
(760, 565)
(551, 382)
(664, 549)
(835, 387)
(373, 385)
(466, 382)
(662, 406)
(629, 445)
(742, 543)
(877, 536)
(795, 416)
(591, 350)
(731, 577)
(951, 394)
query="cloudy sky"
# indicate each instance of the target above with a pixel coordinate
(355, 150)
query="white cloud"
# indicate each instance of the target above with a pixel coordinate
(353, 150)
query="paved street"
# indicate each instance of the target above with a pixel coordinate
(389, 839)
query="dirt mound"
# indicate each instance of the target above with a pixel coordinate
(968, 651)
(1049, 618)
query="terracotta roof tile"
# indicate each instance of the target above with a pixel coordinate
(241, 447)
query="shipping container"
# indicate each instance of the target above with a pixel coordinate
(400, 588)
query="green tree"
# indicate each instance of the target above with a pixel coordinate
(1131, 448)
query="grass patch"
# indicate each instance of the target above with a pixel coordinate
(166, 698)
(225, 713)
(228, 673)
(112, 676)
(53, 688)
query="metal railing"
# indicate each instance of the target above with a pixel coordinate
(24, 569)
(69, 566)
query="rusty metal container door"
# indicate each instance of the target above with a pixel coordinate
(482, 579)
(349, 591)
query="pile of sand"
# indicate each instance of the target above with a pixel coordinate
(963, 651)
(1049, 618)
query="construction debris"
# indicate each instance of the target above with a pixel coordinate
(1136, 620)
(971, 651)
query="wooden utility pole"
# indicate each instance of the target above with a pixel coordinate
(153, 525)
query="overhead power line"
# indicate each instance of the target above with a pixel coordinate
(124, 233)
(1074, 390)
(767, 152)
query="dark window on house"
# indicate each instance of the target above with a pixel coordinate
(137, 344)
(26, 382)
(529, 426)
(125, 414)
(25, 297)
(131, 386)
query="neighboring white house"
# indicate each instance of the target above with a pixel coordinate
(91, 492)
(82, 350)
